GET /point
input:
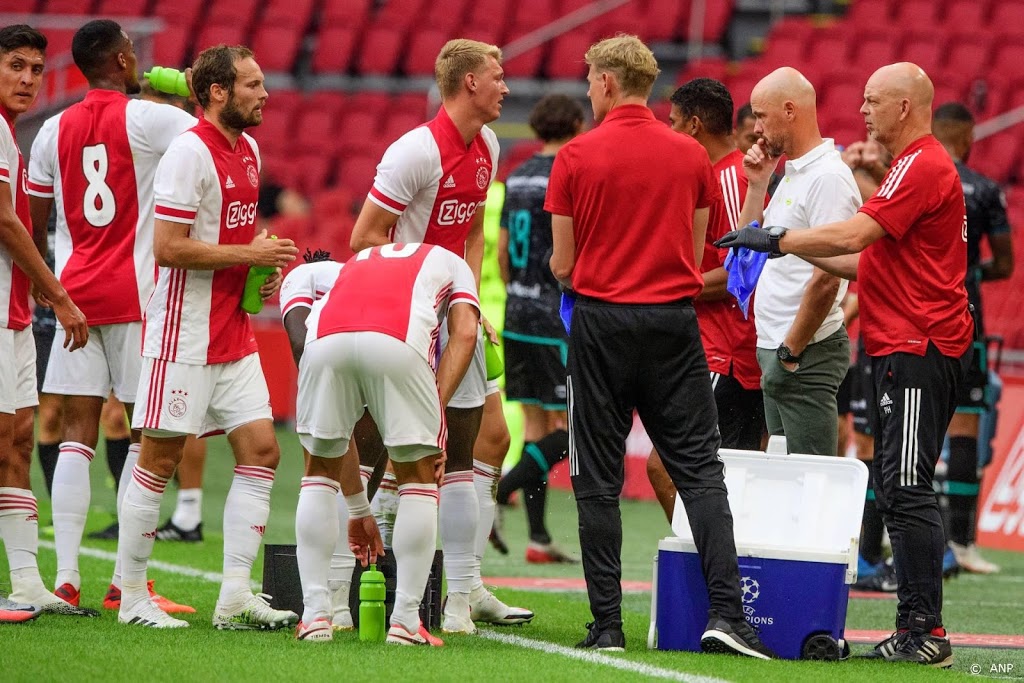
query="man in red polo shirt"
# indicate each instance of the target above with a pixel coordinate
(626, 233)
(917, 329)
(702, 109)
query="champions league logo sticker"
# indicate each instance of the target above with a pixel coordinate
(751, 590)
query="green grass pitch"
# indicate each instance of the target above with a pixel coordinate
(62, 648)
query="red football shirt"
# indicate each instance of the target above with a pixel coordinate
(730, 340)
(631, 186)
(911, 282)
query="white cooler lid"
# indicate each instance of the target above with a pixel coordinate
(790, 503)
(675, 544)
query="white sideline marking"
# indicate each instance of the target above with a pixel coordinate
(598, 658)
(179, 569)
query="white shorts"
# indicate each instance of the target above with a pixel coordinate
(181, 399)
(341, 373)
(112, 360)
(17, 370)
(475, 386)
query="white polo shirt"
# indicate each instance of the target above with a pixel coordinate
(818, 188)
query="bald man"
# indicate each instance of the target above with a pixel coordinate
(917, 329)
(802, 345)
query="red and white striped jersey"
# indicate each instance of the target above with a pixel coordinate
(195, 316)
(435, 182)
(306, 284)
(97, 159)
(14, 284)
(401, 290)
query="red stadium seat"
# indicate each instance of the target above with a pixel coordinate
(178, 12)
(400, 13)
(240, 12)
(330, 101)
(566, 57)
(842, 99)
(716, 19)
(663, 20)
(996, 156)
(919, 14)
(58, 41)
(230, 33)
(966, 15)
(356, 172)
(868, 13)
(314, 172)
(65, 7)
(121, 8)
(169, 47)
(533, 13)
(400, 123)
(829, 46)
(315, 130)
(873, 50)
(371, 101)
(276, 47)
(968, 53)
(783, 50)
(927, 49)
(335, 47)
(380, 52)
(359, 131)
(414, 103)
(488, 13)
(1007, 14)
(447, 17)
(288, 13)
(526, 64)
(422, 51)
(344, 13)
(1008, 57)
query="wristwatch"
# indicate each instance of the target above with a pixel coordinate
(784, 354)
(775, 233)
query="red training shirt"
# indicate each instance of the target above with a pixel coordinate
(911, 282)
(729, 339)
(631, 186)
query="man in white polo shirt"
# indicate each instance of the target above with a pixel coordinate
(802, 346)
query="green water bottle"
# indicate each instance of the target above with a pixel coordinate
(495, 367)
(170, 81)
(371, 605)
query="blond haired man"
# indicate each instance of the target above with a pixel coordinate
(634, 341)
(430, 187)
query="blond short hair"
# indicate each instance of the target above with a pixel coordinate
(457, 58)
(629, 59)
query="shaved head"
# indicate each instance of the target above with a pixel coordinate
(898, 105)
(783, 103)
(784, 84)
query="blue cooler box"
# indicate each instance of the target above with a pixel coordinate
(796, 522)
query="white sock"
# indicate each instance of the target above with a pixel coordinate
(342, 561)
(415, 539)
(139, 516)
(365, 473)
(485, 480)
(458, 519)
(19, 530)
(122, 487)
(384, 506)
(245, 519)
(71, 494)
(188, 511)
(316, 534)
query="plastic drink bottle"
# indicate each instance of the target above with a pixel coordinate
(252, 302)
(495, 367)
(167, 80)
(371, 605)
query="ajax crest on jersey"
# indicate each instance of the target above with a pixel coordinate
(482, 176)
(254, 176)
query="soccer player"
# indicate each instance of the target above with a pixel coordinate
(304, 286)
(22, 60)
(745, 135)
(96, 161)
(986, 219)
(917, 329)
(535, 341)
(430, 187)
(702, 109)
(201, 371)
(373, 341)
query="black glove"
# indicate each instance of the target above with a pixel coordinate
(749, 236)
